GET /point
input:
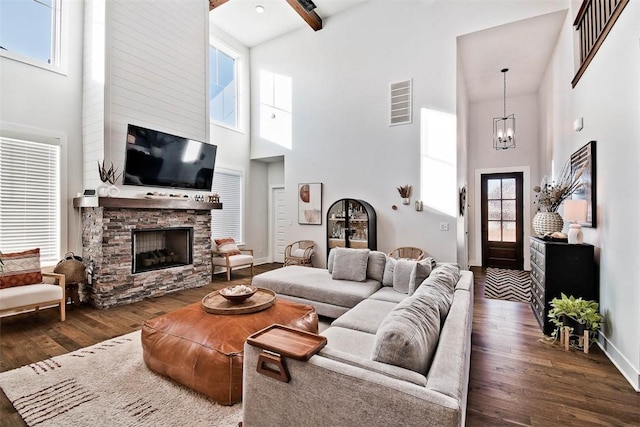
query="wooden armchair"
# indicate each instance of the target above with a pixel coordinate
(299, 253)
(23, 285)
(407, 252)
(229, 261)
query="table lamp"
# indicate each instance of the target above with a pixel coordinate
(575, 211)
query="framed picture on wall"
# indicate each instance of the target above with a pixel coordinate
(310, 203)
(585, 158)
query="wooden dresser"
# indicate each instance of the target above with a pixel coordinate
(558, 267)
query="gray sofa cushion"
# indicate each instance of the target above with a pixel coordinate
(350, 264)
(408, 336)
(375, 265)
(439, 286)
(315, 284)
(387, 293)
(351, 341)
(366, 316)
(420, 271)
(332, 257)
(402, 274)
(389, 267)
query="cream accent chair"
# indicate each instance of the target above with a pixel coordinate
(20, 298)
(299, 253)
(407, 252)
(223, 259)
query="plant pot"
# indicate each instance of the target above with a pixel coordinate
(547, 222)
(577, 328)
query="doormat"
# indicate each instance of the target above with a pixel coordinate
(508, 285)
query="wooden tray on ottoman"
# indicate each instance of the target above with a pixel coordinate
(215, 303)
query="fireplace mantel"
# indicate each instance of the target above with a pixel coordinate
(128, 203)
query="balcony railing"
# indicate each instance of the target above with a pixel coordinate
(593, 22)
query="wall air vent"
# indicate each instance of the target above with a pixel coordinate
(401, 101)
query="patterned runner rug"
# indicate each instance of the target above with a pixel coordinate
(108, 384)
(509, 285)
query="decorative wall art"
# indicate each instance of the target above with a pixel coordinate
(310, 203)
(586, 157)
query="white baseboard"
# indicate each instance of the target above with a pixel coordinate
(627, 370)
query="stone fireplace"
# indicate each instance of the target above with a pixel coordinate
(118, 229)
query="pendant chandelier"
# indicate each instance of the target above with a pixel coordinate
(504, 128)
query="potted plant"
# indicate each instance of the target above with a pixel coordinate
(577, 314)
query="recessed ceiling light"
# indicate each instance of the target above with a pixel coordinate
(259, 8)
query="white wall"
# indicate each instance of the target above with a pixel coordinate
(341, 78)
(483, 157)
(155, 76)
(37, 101)
(608, 98)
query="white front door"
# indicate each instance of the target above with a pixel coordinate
(279, 224)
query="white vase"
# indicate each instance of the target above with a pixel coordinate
(547, 222)
(113, 191)
(103, 190)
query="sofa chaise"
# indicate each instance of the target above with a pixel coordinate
(393, 358)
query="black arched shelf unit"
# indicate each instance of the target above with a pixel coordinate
(351, 223)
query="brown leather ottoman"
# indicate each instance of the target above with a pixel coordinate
(204, 351)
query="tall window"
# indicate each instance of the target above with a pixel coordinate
(227, 222)
(223, 87)
(30, 198)
(438, 160)
(276, 108)
(31, 29)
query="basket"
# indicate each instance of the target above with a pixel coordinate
(72, 267)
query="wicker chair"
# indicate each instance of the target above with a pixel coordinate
(299, 253)
(407, 252)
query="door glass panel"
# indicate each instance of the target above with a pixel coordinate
(508, 231)
(509, 188)
(495, 209)
(508, 210)
(493, 188)
(494, 231)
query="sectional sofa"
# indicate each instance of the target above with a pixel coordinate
(398, 354)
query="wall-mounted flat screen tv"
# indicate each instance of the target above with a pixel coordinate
(158, 159)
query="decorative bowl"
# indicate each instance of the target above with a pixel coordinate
(230, 295)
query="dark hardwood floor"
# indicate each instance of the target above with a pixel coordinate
(517, 377)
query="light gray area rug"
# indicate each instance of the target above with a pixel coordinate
(108, 384)
(509, 285)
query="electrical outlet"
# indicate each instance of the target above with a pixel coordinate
(444, 226)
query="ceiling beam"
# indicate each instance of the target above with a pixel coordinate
(310, 18)
(215, 3)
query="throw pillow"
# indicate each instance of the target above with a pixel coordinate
(332, 257)
(402, 274)
(350, 264)
(389, 267)
(419, 272)
(21, 268)
(227, 246)
(375, 265)
(408, 336)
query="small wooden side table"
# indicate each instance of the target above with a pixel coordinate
(71, 290)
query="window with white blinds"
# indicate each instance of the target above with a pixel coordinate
(30, 198)
(227, 222)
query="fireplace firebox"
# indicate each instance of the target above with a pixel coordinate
(160, 248)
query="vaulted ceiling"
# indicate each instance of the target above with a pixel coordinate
(240, 19)
(524, 47)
